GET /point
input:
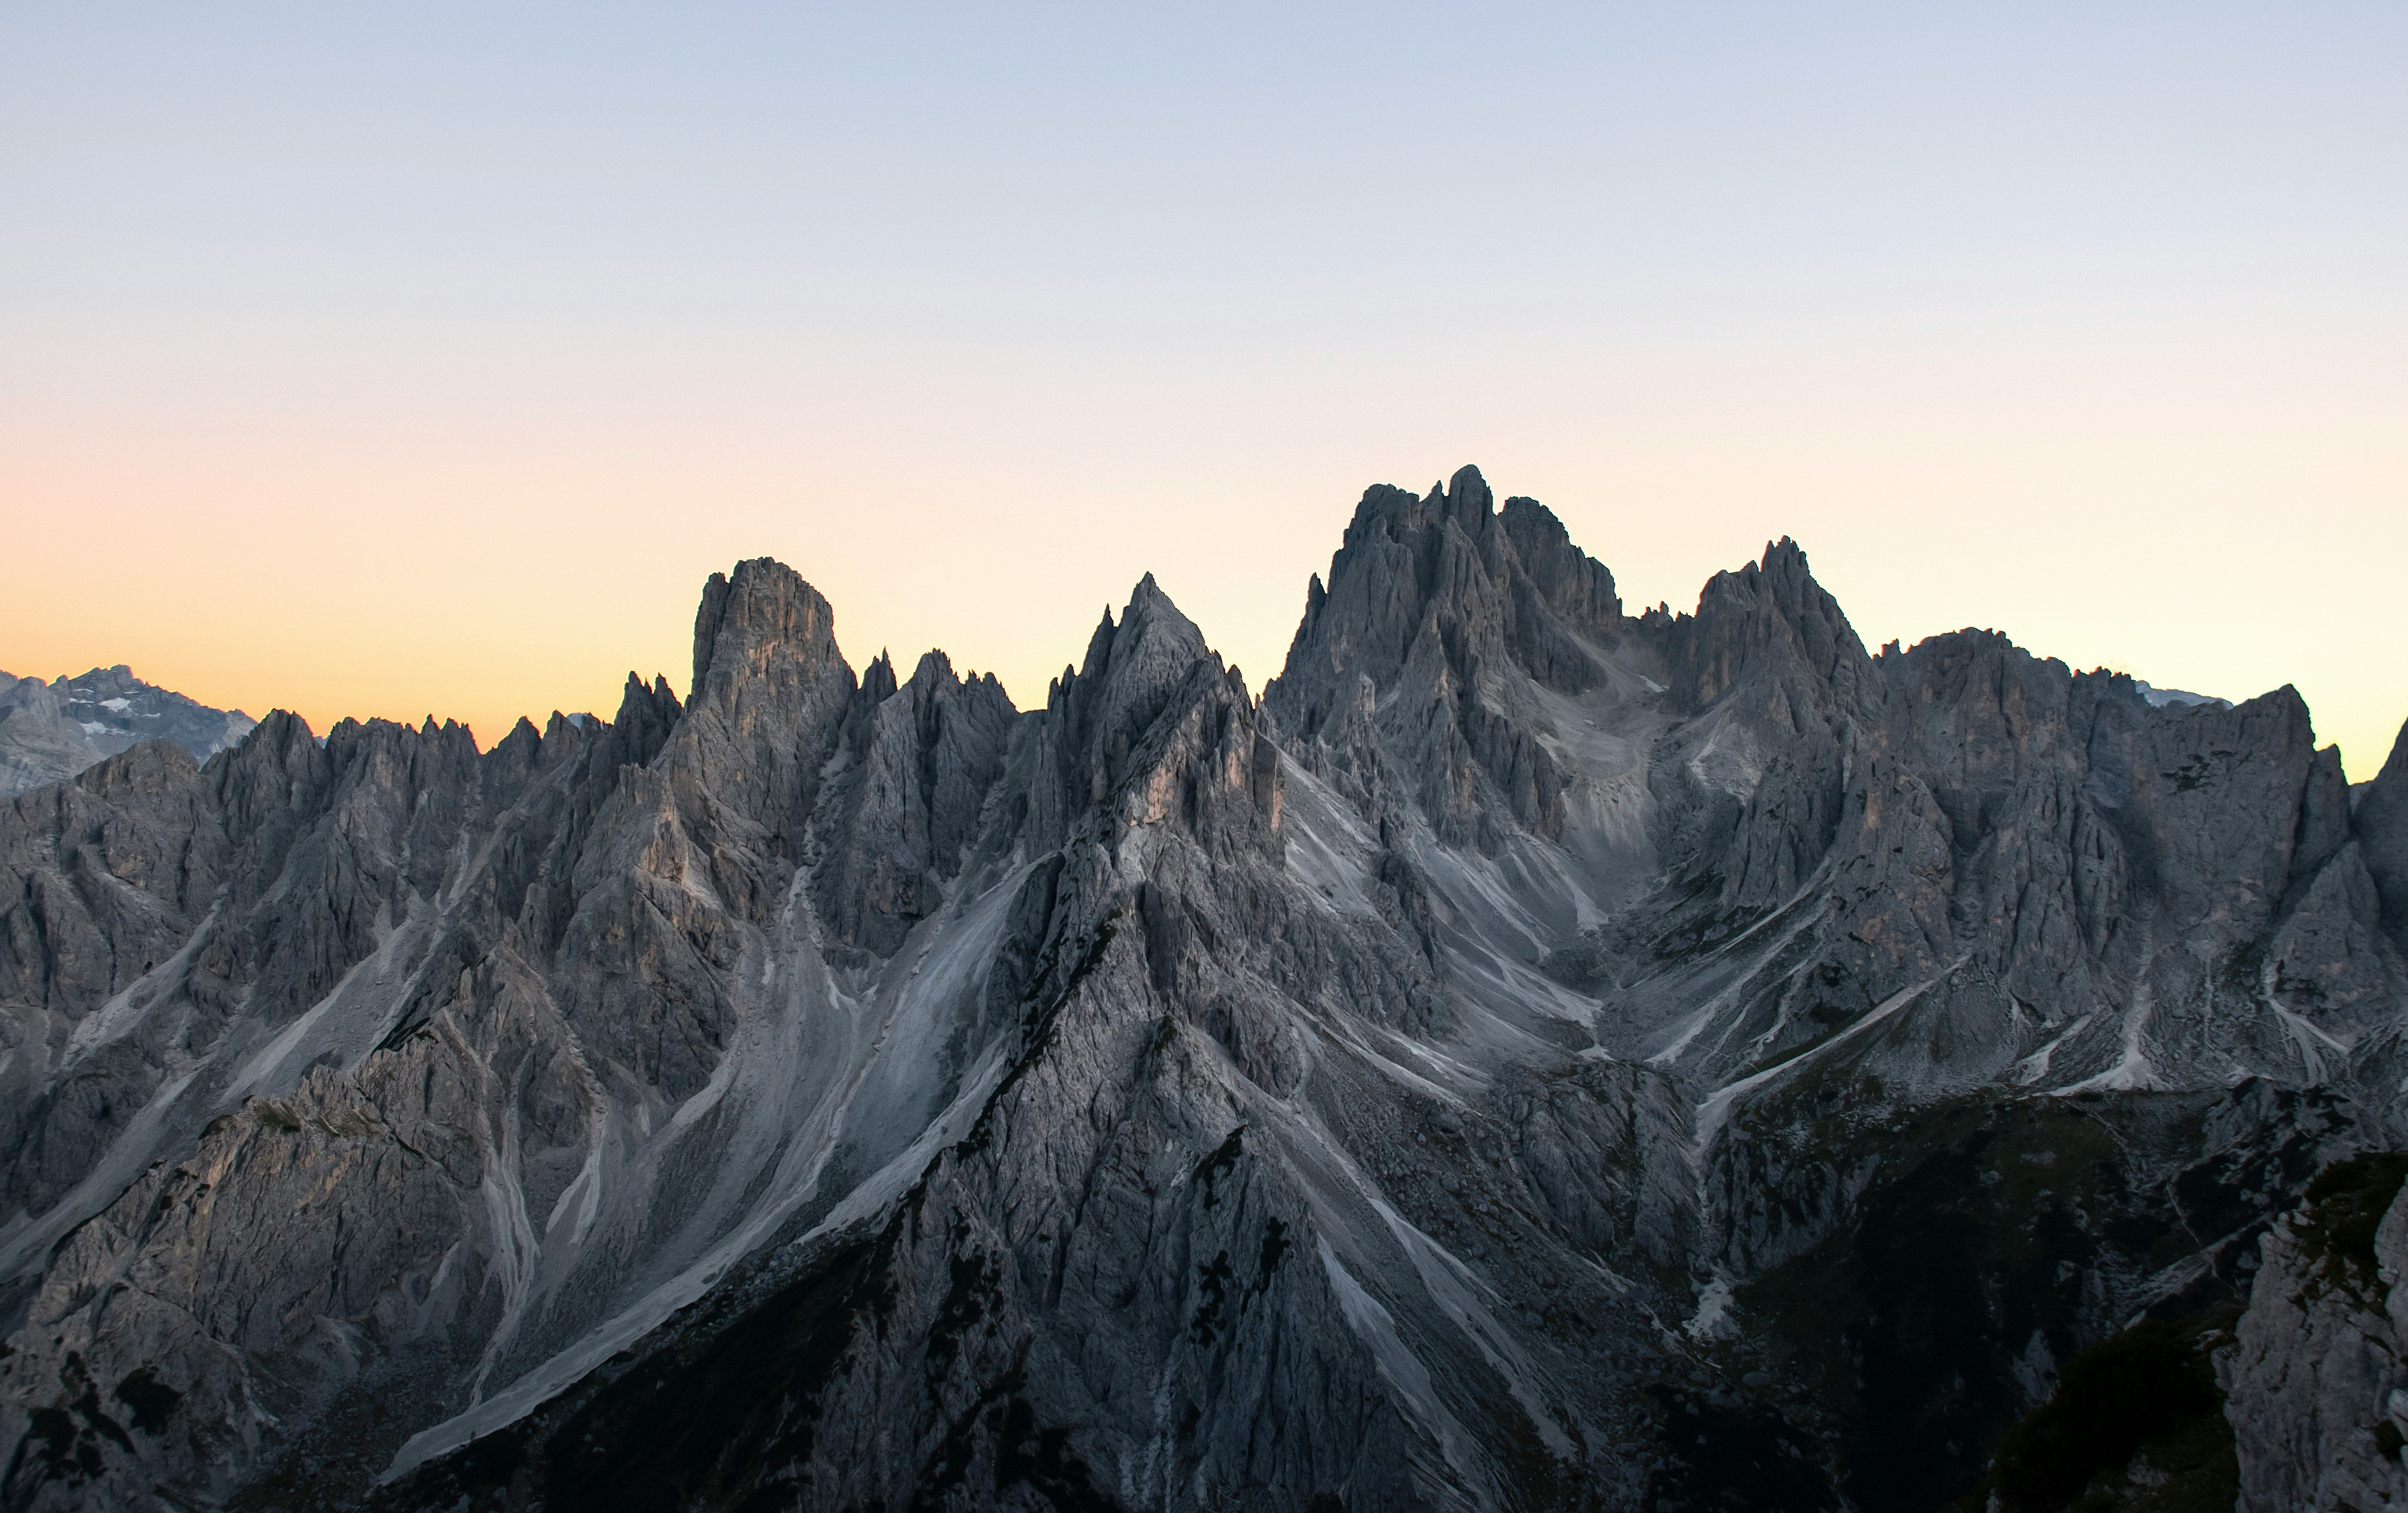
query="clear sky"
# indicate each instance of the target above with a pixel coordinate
(397, 359)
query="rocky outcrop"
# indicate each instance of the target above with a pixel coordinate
(917, 764)
(2379, 823)
(2316, 1386)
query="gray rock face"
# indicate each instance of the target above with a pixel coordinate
(50, 731)
(38, 743)
(2316, 1384)
(2379, 823)
(1513, 1063)
(903, 809)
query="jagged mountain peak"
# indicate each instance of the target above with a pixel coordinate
(646, 714)
(1468, 495)
(878, 678)
(759, 617)
(1533, 1054)
(1576, 586)
(1151, 612)
(770, 696)
(1131, 669)
(1465, 500)
(934, 667)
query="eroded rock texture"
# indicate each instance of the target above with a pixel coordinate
(1533, 1057)
(2317, 1386)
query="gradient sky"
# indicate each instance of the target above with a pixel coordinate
(388, 360)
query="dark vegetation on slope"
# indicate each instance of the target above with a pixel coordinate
(2136, 1423)
(1995, 1239)
(704, 1416)
(1719, 1450)
(2345, 1206)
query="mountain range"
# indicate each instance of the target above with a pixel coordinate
(1533, 1056)
(54, 730)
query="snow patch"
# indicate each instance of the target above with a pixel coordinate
(2132, 1072)
(2160, 698)
(1710, 1320)
(2311, 1042)
(2035, 1066)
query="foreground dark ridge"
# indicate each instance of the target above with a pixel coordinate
(1534, 1057)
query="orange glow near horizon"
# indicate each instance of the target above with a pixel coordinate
(373, 569)
(397, 362)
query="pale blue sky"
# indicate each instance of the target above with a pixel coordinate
(752, 163)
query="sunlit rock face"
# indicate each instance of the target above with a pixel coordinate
(1533, 1056)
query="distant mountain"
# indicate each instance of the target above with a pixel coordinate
(2163, 697)
(54, 730)
(1533, 1057)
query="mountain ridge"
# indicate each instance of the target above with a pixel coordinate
(1389, 1090)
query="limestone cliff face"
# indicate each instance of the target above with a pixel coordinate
(917, 763)
(2317, 1384)
(1536, 1056)
(2379, 825)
